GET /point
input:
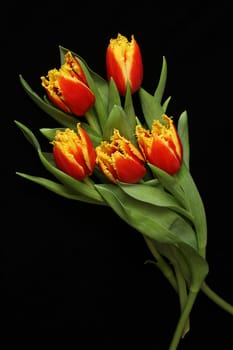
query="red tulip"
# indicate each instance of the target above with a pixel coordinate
(124, 63)
(74, 152)
(162, 146)
(67, 87)
(120, 160)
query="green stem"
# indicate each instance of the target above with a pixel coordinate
(182, 292)
(93, 122)
(178, 334)
(161, 263)
(216, 298)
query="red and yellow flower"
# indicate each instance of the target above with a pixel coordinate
(67, 87)
(74, 152)
(120, 160)
(162, 146)
(124, 63)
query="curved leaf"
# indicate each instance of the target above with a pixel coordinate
(129, 109)
(156, 196)
(114, 97)
(184, 136)
(165, 104)
(170, 183)
(158, 223)
(118, 120)
(29, 135)
(151, 108)
(100, 105)
(195, 205)
(79, 187)
(158, 94)
(59, 189)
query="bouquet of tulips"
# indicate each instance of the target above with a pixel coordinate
(105, 152)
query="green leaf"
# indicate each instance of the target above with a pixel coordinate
(28, 135)
(99, 105)
(158, 223)
(165, 104)
(158, 95)
(193, 266)
(118, 120)
(195, 206)
(183, 188)
(114, 97)
(50, 133)
(61, 117)
(182, 129)
(59, 189)
(197, 265)
(151, 108)
(170, 183)
(79, 187)
(156, 196)
(129, 109)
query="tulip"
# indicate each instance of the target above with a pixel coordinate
(74, 152)
(120, 160)
(162, 146)
(67, 87)
(124, 63)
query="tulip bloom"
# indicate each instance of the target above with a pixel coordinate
(74, 152)
(120, 160)
(162, 146)
(67, 87)
(124, 63)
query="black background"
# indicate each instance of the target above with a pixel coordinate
(75, 271)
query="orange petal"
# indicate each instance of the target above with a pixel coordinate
(88, 149)
(76, 95)
(124, 63)
(163, 156)
(128, 169)
(68, 164)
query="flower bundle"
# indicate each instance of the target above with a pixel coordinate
(105, 152)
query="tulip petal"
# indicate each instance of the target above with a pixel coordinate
(67, 163)
(71, 152)
(124, 63)
(76, 95)
(128, 169)
(163, 156)
(87, 148)
(162, 146)
(120, 160)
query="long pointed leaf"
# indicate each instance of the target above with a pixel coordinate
(156, 196)
(59, 189)
(162, 82)
(118, 119)
(151, 108)
(184, 136)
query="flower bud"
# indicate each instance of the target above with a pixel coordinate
(67, 87)
(124, 63)
(74, 152)
(162, 146)
(120, 160)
